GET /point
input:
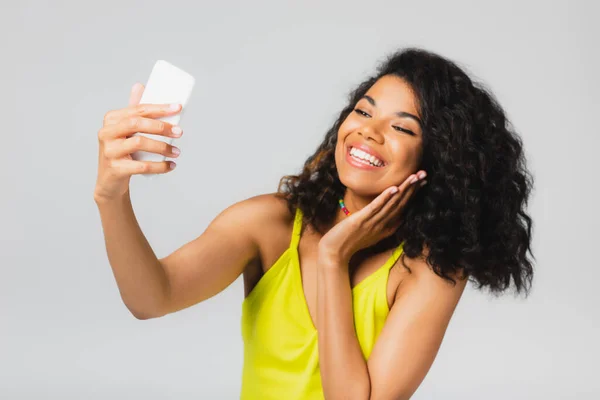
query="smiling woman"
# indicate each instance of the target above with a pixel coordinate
(420, 112)
(382, 125)
(353, 269)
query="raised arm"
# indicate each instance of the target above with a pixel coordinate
(207, 265)
(198, 270)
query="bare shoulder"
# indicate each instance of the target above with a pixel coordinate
(267, 216)
(235, 242)
(266, 208)
(272, 225)
(423, 279)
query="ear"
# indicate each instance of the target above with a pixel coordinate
(136, 94)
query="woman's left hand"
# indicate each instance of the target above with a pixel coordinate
(369, 225)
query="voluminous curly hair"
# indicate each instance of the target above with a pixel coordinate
(470, 217)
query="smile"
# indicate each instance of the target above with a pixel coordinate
(362, 159)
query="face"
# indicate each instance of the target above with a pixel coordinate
(379, 144)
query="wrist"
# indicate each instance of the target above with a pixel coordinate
(331, 258)
(102, 200)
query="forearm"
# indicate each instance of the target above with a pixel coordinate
(344, 372)
(140, 278)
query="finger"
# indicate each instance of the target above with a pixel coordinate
(141, 110)
(376, 205)
(414, 184)
(131, 125)
(136, 93)
(392, 210)
(125, 167)
(118, 149)
(384, 199)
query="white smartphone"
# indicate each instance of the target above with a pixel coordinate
(166, 84)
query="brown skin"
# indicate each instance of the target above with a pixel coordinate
(423, 303)
(381, 129)
(249, 236)
(116, 144)
(272, 225)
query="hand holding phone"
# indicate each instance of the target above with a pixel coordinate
(137, 139)
(167, 85)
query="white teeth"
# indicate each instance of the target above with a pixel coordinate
(365, 156)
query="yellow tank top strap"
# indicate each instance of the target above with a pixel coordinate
(395, 255)
(297, 230)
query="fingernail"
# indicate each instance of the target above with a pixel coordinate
(394, 190)
(176, 131)
(175, 151)
(172, 165)
(422, 174)
(174, 106)
(414, 179)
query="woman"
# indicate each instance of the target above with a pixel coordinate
(353, 269)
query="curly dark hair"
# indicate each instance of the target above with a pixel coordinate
(471, 215)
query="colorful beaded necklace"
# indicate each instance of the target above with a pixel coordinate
(343, 207)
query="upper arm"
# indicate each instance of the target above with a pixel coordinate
(205, 266)
(413, 332)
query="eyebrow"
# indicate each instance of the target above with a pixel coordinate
(401, 114)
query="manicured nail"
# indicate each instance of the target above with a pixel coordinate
(175, 151)
(172, 165)
(394, 190)
(174, 107)
(422, 174)
(413, 179)
(176, 131)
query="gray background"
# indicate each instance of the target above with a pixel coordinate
(271, 78)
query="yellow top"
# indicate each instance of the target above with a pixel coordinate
(281, 358)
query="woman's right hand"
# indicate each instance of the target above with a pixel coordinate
(116, 143)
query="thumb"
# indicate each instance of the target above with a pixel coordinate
(136, 94)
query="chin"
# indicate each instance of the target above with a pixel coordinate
(361, 183)
(361, 186)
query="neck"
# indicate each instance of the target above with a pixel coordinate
(353, 203)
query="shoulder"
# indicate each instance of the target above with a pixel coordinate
(264, 215)
(267, 207)
(268, 222)
(424, 280)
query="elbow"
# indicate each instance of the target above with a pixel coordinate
(143, 317)
(143, 314)
(156, 308)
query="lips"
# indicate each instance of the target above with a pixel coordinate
(361, 165)
(367, 150)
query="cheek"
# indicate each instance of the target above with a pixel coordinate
(342, 135)
(349, 125)
(339, 151)
(406, 158)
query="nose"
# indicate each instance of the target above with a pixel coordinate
(370, 130)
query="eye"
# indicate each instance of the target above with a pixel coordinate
(403, 130)
(361, 112)
(398, 128)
